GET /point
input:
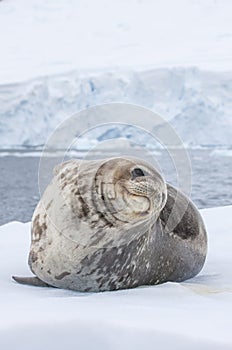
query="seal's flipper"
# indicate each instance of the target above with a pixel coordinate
(32, 281)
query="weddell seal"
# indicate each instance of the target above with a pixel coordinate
(104, 225)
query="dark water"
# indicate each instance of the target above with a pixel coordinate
(211, 182)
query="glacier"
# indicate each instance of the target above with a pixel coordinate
(197, 103)
(58, 58)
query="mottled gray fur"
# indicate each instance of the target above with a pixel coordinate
(102, 225)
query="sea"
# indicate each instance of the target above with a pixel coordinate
(210, 175)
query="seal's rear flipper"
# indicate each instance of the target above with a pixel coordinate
(32, 281)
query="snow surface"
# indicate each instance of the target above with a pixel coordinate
(196, 314)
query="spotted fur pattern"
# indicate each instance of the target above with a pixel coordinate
(97, 228)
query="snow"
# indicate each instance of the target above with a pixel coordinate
(221, 153)
(193, 314)
(59, 57)
(43, 37)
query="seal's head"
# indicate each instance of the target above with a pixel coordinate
(130, 190)
(106, 202)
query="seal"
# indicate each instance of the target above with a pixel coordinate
(105, 225)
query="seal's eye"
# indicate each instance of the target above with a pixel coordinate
(137, 172)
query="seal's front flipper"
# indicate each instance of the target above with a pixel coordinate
(32, 281)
